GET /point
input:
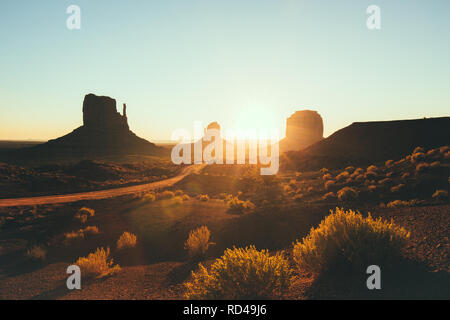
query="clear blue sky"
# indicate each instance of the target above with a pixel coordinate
(241, 63)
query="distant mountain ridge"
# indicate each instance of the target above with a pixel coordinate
(364, 143)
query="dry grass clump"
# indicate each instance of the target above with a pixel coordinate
(417, 157)
(389, 163)
(185, 197)
(179, 192)
(440, 194)
(97, 264)
(198, 242)
(422, 167)
(345, 241)
(347, 193)
(384, 181)
(401, 203)
(329, 195)
(327, 176)
(342, 176)
(398, 188)
(235, 205)
(84, 214)
(126, 240)
(149, 197)
(241, 274)
(69, 237)
(165, 195)
(324, 170)
(37, 252)
(203, 197)
(329, 184)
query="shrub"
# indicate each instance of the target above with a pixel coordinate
(165, 195)
(419, 149)
(343, 175)
(347, 193)
(80, 234)
(329, 184)
(235, 205)
(243, 273)
(417, 157)
(90, 230)
(203, 197)
(422, 167)
(84, 213)
(198, 242)
(372, 168)
(150, 197)
(324, 170)
(97, 264)
(327, 176)
(440, 194)
(405, 175)
(345, 240)
(401, 203)
(350, 169)
(329, 195)
(397, 188)
(389, 163)
(385, 181)
(37, 253)
(126, 240)
(185, 197)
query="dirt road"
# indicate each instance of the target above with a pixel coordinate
(100, 194)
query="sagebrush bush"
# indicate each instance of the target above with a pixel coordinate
(345, 240)
(150, 197)
(329, 195)
(398, 187)
(235, 205)
(126, 240)
(84, 214)
(203, 197)
(389, 163)
(69, 237)
(440, 194)
(37, 252)
(327, 176)
(166, 195)
(347, 193)
(243, 273)
(97, 264)
(342, 176)
(401, 203)
(329, 184)
(198, 242)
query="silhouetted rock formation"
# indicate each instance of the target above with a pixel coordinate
(365, 143)
(100, 112)
(104, 132)
(303, 128)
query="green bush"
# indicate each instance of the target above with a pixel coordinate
(243, 273)
(345, 240)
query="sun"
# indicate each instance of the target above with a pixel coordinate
(258, 118)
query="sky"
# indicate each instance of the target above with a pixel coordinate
(246, 64)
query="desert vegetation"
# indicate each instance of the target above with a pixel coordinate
(241, 273)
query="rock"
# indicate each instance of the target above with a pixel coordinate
(100, 112)
(303, 128)
(104, 132)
